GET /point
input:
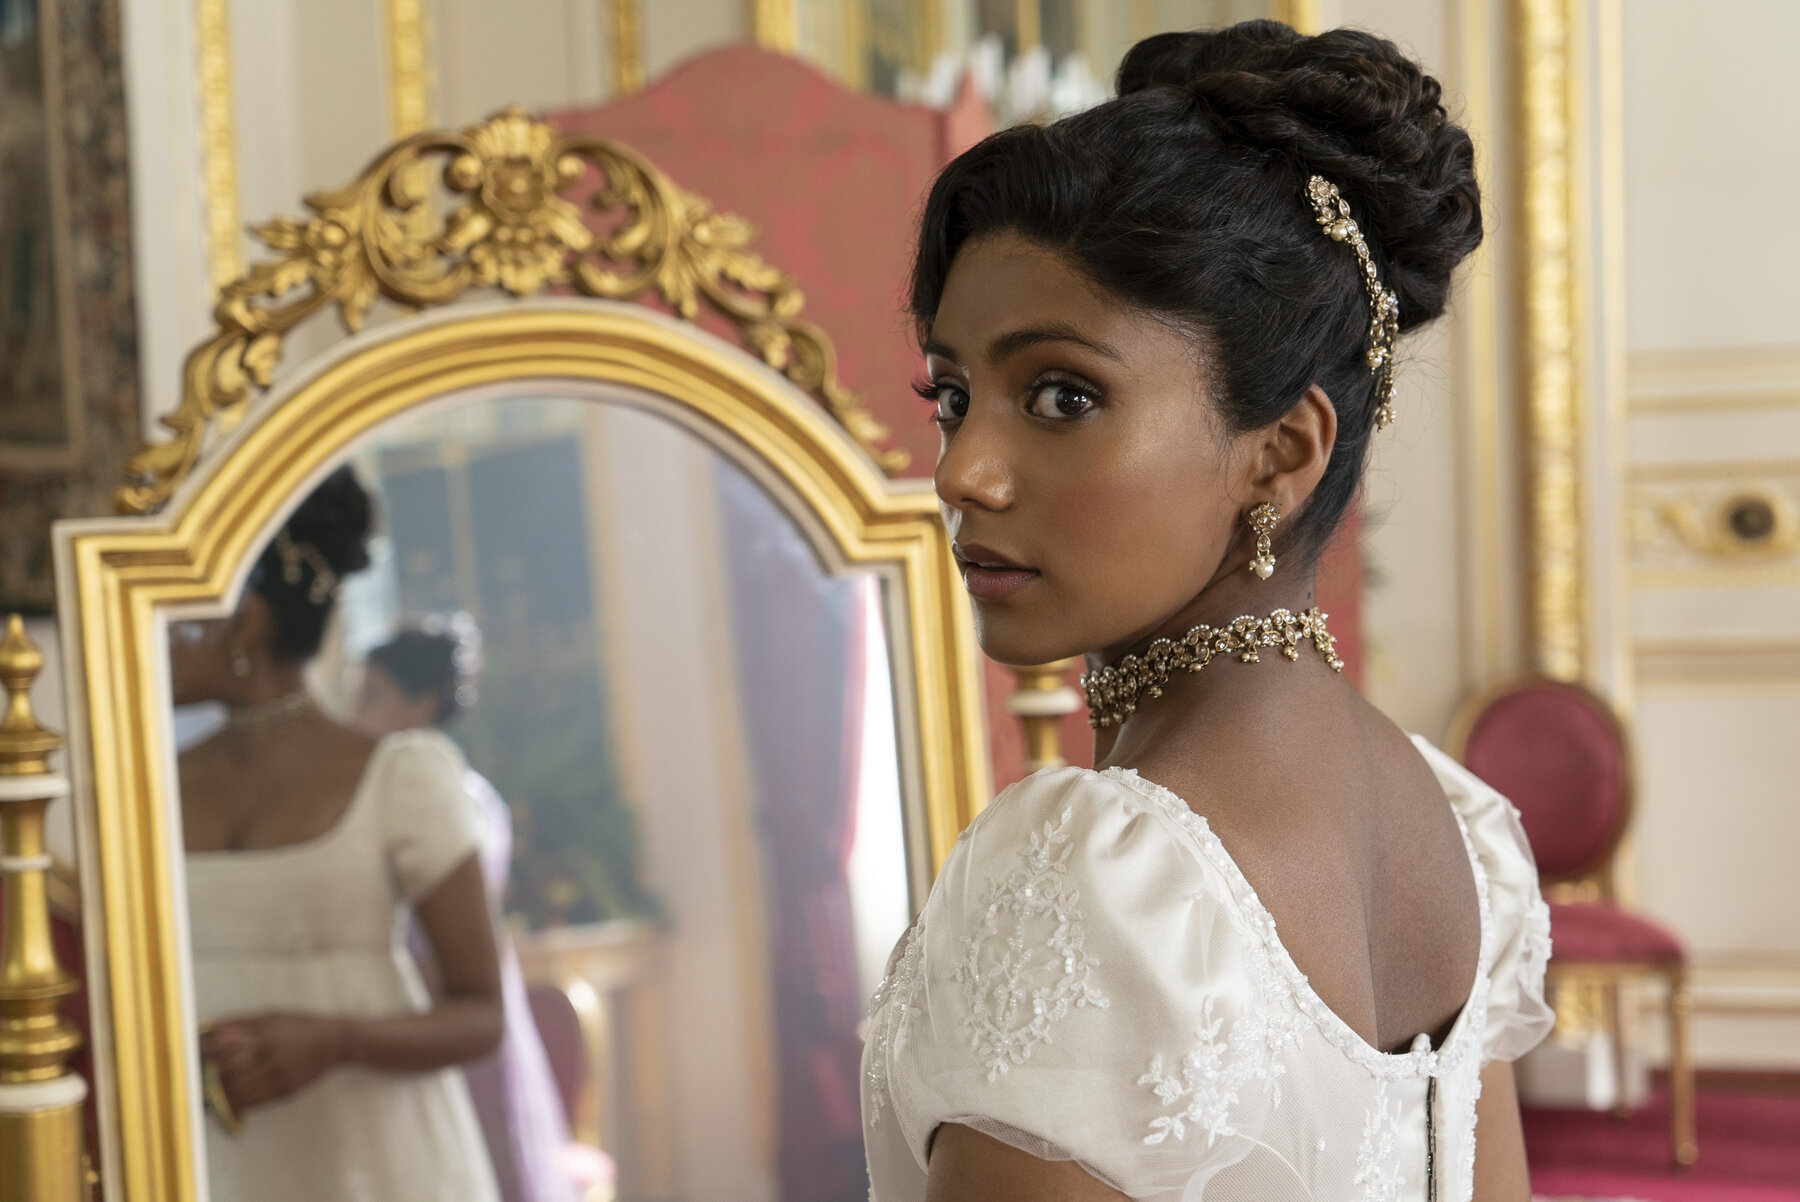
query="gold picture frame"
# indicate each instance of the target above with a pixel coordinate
(119, 579)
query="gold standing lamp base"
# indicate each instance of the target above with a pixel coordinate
(41, 1123)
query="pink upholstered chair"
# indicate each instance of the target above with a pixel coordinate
(1561, 755)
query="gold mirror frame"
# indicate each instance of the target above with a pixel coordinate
(119, 578)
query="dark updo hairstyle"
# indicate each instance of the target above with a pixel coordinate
(1185, 197)
(439, 658)
(299, 572)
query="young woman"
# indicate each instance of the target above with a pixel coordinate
(1272, 948)
(328, 1069)
(424, 679)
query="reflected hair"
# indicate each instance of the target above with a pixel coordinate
(299, 572)
(439, 658)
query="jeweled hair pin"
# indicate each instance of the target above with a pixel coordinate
(1333, 213)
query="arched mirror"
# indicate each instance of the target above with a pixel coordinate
(694, 681)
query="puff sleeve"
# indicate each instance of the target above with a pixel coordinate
(1082, 985)
(429, 825)
(1518, 1017)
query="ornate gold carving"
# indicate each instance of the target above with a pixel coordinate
(218, 143)
(1552, 375)
(511, 229)
(1715, 524)
(41, 1125)
(1752, 521)
(409, 76)
(627, 45)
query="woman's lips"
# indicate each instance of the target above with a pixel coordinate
(990, 576)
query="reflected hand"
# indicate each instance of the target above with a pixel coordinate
(269, 1056)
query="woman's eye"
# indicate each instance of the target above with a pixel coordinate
(1061, 400)
(952, 403)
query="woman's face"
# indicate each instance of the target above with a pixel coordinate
(1080, 456)
(383, 707)
(200, 661)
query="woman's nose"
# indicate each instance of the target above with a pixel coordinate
(973, 470)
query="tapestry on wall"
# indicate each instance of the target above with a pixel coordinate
(69, 412)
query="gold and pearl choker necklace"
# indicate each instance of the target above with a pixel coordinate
(259, 715)
(1113, 692)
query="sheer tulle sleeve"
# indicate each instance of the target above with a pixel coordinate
(1082, 985)
(1518, 1017)
(428, 821)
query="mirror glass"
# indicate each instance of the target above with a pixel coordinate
(546, 656)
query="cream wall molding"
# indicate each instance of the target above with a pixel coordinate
(1721, 470)
(1766, 985)
(1714, 378)
(1701, 660)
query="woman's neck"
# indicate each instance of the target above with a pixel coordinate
(271, 684)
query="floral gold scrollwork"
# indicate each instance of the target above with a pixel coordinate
(506, 225)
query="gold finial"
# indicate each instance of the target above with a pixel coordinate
(1041, 701)
(24, 745)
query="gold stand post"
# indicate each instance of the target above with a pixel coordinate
(1040, 704)
(40, 1100)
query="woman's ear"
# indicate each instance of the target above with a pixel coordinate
(1291, 455)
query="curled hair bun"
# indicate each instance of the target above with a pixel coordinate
(1349, 106)
(331, 527)
(337, 520)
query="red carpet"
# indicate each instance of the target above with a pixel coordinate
(1749, 1151)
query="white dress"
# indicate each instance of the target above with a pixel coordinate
(1093, 979)
(319, 928)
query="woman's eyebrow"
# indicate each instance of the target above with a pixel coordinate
(941, 350)
(1014, 341)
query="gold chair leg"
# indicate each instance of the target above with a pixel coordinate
(1615, 1004)
(1681, 1071)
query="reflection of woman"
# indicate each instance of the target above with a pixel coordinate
(1159, 338)
(422, 679)
(306, 843)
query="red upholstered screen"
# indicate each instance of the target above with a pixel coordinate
(1555, 751)
(833, 180)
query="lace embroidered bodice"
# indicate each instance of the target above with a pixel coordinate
(1093, 979)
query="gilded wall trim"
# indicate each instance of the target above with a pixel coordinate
(1304, 15)
(774, 25)
(218, 143)
(1546, 51)
(625, 28)
(408, 74)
